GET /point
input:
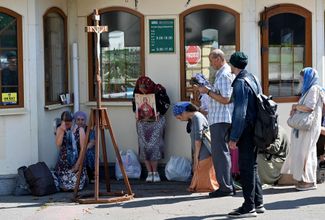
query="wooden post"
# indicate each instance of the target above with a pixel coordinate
(99, 121)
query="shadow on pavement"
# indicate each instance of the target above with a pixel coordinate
(217, 216)
(155, 201)
(294, 204)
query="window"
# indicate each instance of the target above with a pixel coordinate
(121, 53)
(203, 28)
(55, 55)
(286, 49)
(11, 62)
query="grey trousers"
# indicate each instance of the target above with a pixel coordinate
(221, 156)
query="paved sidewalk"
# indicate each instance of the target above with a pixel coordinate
(165, 200)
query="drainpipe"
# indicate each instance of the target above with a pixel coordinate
(75, 74)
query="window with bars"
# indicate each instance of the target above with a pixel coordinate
(286, 49)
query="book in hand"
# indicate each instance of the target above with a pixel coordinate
(145, 107)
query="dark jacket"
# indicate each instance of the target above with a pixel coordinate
(245, 108)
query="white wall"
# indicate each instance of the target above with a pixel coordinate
(26, 135)
(18, 127)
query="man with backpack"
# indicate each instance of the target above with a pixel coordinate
(242, 136)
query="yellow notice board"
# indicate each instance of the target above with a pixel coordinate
(9, 98)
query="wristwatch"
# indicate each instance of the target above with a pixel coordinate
(209, 91)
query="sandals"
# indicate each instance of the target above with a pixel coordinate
(303, 186)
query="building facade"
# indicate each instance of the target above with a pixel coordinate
(46, 54)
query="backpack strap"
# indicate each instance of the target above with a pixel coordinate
(250, 83)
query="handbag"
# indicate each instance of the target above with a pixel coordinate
(302, 120)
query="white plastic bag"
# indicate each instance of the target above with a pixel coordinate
(178, 169)
(131, 165)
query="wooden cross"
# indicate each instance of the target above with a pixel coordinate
(98, 30)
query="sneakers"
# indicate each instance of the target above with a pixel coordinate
(219, 193)
(153, 177)
(156, 177)
(241, 213)
(260, 209)
(149, 177)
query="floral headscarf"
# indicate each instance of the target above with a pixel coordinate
(180, 107)
(310, 78)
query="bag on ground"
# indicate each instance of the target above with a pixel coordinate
(178, 169)
(131, 165)
(40, 179)
(22, 187)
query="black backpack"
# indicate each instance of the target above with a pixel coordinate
(266, 125)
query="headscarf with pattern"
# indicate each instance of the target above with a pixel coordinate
(148, 84)
(180, 107)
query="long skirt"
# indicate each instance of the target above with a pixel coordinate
(204, 178)
(151, 139)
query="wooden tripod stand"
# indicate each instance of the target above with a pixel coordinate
(99, 121)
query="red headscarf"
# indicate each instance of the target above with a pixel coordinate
(145, 81)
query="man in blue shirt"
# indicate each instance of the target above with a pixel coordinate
(241, 136)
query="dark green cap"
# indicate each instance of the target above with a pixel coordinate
(238, 60)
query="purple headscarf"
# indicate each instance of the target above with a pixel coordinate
(80, 114)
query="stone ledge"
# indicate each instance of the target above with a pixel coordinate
(7, 184)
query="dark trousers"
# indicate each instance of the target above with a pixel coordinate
(221, 156)
(320, 145)
(250, 181)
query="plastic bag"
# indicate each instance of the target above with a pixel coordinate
(178, 169)
(131, 165)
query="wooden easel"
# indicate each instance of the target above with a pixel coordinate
(99, 121)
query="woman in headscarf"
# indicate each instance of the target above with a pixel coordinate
(151, 132)
(71, 143)
(204, 179)
(80, 121)
(301, 161)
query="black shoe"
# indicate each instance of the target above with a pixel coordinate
(260, 209)
(219, 193)
(241, 213)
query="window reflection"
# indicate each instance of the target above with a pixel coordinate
(202, 34)
(120, 54)
(9, 86)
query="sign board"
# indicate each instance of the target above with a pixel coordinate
(161, 35)
(193, 55)
(9, 98)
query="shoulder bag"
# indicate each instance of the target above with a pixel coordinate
(301, 120)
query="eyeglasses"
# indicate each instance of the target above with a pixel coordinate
(80, 119)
